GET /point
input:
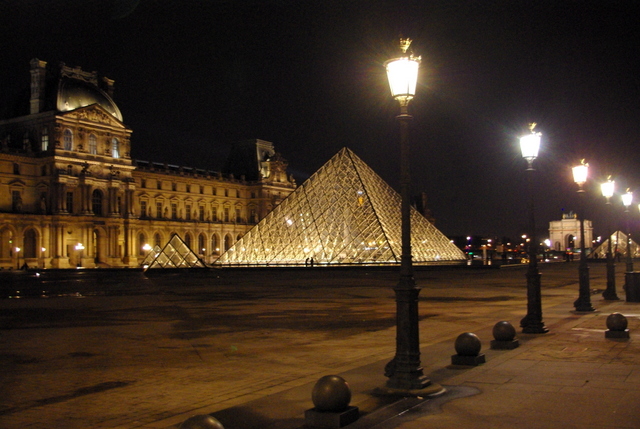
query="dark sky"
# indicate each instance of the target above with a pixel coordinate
(193, 76)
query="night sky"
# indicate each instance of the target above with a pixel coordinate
(192, 76)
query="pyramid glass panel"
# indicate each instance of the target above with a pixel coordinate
(175, 254)
(343, 214)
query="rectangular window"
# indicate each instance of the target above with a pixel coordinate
(93, 144)
(238, 219)
(143, 183)
(201, 213)
(143, 208)
(159, 184)
(226, 214)
(16, 201)
(174, 211)
(44, 139)
(214, 214)
(159, 210)
(70, 202)
(188, 212)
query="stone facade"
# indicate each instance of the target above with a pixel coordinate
(70, 194)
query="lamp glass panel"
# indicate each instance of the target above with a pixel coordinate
(403, 76)
(580, 173)
(608, 188)
(530, 145)
(627, 199)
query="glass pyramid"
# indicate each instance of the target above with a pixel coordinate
(175, 254)
(618, 245)
(343, 214)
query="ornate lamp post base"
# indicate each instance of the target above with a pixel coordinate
(532, 323)
(610, 292)
(583, 303)
(405, 371)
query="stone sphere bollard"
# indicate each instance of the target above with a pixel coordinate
(468, 344)
(617, 322)
(201, 421)
(331, 393)
(505, 336)
(504, 331)
(467, 347)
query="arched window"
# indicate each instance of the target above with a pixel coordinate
(93, 144)
(157, 240)
(201, 244)
(227, 242)
(30, 240)
(187, 240)
(68, 139)
(115, 148)
(44, 139)
(96, 202)
(214, 244)
(142, 240)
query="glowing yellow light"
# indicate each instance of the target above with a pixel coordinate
(580, 173)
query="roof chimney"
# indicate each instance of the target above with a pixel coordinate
(38, 74)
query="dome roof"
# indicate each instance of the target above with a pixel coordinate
(76, 93)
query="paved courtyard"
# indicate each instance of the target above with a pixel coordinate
(107, 349)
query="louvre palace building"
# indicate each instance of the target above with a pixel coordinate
(72, 196)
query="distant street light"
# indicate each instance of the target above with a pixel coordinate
(583, 303)
(405, 371)
(80, 248)
(627, 199)
(608, 188)
(532, 323)
(18, 256)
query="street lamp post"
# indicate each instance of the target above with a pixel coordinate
(583, 303)
(627, 199)
(532, 323)
(79, 249)
(18, 256)
(405, 371)
(608, 188)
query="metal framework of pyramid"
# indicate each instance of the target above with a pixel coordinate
(343, 214)
(618, 245)
(174, 254)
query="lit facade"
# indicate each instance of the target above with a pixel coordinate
(70, 194)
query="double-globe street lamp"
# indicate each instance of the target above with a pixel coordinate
(405, 371)
(583, 303)
(532, 323)
(608, 188)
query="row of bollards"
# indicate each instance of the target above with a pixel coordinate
(331, 394)
(468, 344)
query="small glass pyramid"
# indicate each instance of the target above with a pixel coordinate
(343, 214)
(618, 246)
(175, 254)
